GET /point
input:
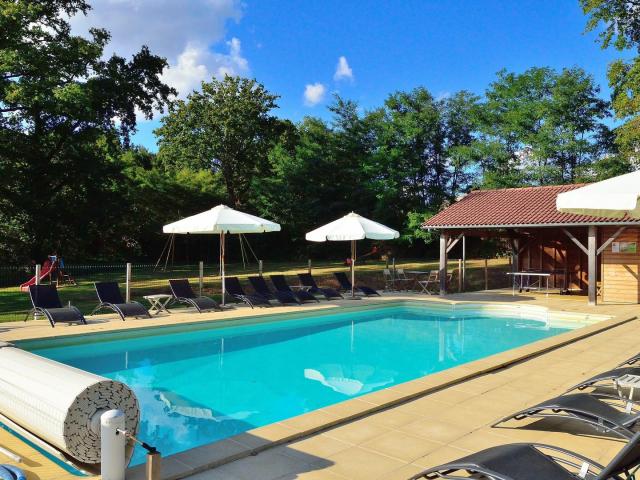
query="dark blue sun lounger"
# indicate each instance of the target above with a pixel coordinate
(183, 293)
(308, 280)
(605, 413)
(280, 282)
(534, 461)
(46, 302)
(234, 288)
(260, 286)
(607, 377)
(110, 297)
(345, 285)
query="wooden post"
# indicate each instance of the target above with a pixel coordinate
(459, 275)
(486, 274)
(200, 276)
(515, 258)
(443, 263)
(260, 267)
(153, 467)
(592, 249)
(309, 266)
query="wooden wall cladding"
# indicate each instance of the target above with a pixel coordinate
(620, 271)
(550, 250)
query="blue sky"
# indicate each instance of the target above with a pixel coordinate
(387, 45)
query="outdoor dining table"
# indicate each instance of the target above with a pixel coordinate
(158, 302)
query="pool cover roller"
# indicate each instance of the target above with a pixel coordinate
(58, 403)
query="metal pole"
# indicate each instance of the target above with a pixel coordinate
(459, 275)
(222, 264)
(353, 268)
(309, 266)
(38, 273)
(200, 276)
(260, 267)
(128, 283)
(153, 467)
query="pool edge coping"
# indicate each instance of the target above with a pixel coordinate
(252, 442)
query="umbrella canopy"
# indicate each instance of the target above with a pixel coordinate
(222, 220)
(352, 227)
(611, 198)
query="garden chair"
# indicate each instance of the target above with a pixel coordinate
(46, 302)
(110, 297)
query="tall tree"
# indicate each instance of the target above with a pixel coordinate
(620, 22)
(59, 101)
(226, 127)
(540, 127)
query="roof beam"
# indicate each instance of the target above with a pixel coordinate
(611, 239)
(576, 241)
(453, 241)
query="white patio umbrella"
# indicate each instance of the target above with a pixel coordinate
(352, 227)
(221, 220)
(611, 198)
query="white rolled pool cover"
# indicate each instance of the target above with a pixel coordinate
(57, 402)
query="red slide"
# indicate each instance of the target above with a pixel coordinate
(46, 270)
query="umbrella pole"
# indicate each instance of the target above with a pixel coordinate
(222, 264)
(353, 268)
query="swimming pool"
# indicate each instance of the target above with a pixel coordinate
(201, 383)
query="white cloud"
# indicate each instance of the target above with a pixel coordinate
(343, 70)
(197, 63)
(314, 93)
(183, 32)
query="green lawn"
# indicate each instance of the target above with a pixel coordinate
(145, 281)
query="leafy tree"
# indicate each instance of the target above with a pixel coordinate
(59, 99)
(226, 127)
(540, 127)
(620, 20)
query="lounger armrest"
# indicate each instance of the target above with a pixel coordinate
(581, 458)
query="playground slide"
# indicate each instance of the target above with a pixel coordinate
(45, 271)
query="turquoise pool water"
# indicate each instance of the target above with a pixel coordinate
(201, 383)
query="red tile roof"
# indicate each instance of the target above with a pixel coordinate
(513, 207)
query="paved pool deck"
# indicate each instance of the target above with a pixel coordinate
(398, 431)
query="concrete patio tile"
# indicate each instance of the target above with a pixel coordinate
(349, 408)
(468, 417)
(320, 474)
(442, 455)
(402, 473)
(401, 445)
(436, 430)
(425, 407)
(267, 466)
(215, 474)
(310, 421)
(356, 432)
(320, 446)
(393, 418)
(452, 396)
(478, 440)
(357, 463)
